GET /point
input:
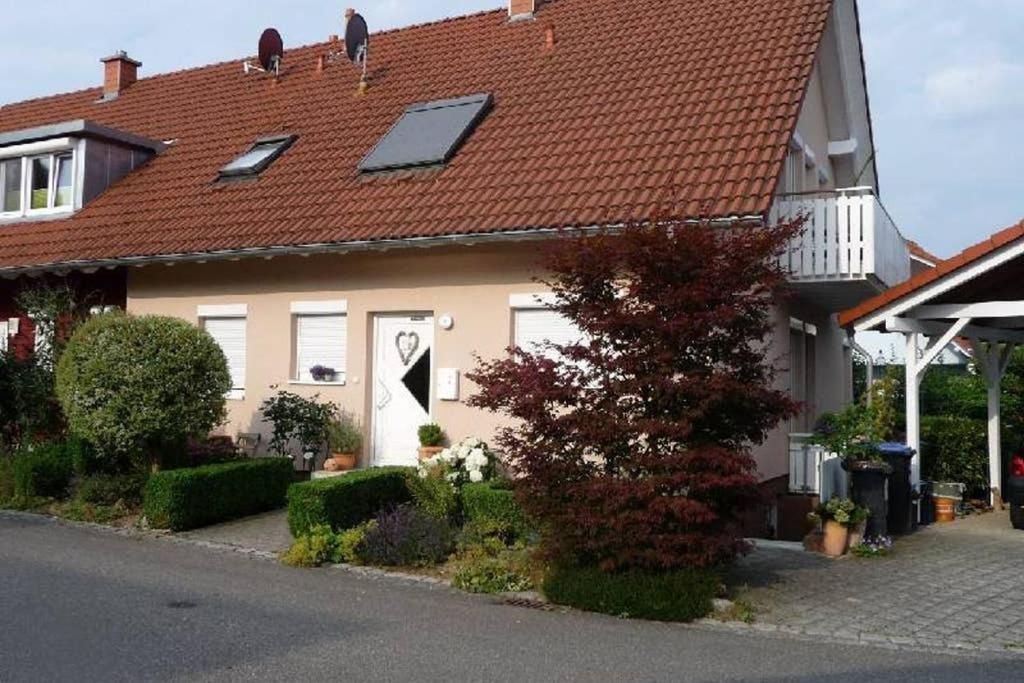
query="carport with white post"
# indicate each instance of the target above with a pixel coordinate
(977, 295)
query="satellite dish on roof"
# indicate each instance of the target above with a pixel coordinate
(271, 49)
(269, 54)
(357, 38)
(357, 44)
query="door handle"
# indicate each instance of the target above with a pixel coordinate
(385, 395)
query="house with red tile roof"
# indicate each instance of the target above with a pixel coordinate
(378, 222)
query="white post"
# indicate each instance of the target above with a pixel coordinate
(995, 456)
(913, 407)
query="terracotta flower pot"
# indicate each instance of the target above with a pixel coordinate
(855, 535)
(945, 509)
(836, 536)
(428, 452)
(344, 461)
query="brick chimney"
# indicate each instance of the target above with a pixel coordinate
(119, 72)
(521, 9)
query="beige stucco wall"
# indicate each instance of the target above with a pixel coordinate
(472, 284)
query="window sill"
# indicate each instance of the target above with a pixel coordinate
(313, 383)
(235, 395)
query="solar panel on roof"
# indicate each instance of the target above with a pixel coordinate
(427, 134)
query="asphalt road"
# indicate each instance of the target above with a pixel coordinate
(84, 605)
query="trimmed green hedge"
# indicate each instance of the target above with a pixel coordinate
(682, 595)
(491, 507)
(190, 498)
(955, 449)
(345, 501)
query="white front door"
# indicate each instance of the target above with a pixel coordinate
(402, 372)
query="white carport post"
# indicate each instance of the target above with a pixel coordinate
(994, 361)
(915, 369)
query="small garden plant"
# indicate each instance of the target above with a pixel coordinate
(430, 435)
(842, 511)
(343, 433)
(876, 546)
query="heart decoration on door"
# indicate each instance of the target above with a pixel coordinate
(407, 343)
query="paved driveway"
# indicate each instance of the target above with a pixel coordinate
(959, 585)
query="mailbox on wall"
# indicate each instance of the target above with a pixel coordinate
(448, 384)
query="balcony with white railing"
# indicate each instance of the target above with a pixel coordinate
(850, 248)
(813, 471)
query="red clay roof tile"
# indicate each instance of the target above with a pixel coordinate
(585, 132)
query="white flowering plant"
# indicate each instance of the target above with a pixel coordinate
(469, 460)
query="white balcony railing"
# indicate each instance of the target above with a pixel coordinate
(812, 471)
(848, 236)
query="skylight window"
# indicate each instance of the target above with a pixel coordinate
(253, 162)
(427, 134)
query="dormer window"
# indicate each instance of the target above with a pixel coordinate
(10, 186)
(257, 158)
(37, 183)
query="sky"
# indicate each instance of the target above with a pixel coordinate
(945, 79)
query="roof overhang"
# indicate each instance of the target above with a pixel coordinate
(79, 128)
(465, 239)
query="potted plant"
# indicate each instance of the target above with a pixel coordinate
(322, 373)
(837, 516)
(854, 435)
(431, 440)
(344, 437)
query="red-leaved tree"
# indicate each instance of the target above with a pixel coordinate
(632, 447)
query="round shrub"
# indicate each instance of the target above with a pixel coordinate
(141, 384)
(680, 595)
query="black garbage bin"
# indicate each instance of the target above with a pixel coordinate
(926, 503)
(867, 481)
(900, 517)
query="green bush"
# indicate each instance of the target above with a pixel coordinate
(314, 548)
(345, 501)
(141, 385)
(434, 494)
(6, 478)
(108, 489)
(190, 498)
(490, 509)
(45, 470)
(681, 595)
(955, 449)
(351, 540)
(483, 570)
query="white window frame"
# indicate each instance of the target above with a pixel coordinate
(207, 312)
(299, 309)
(46, 148)
(5, 333)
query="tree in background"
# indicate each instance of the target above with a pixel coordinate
(632, 446)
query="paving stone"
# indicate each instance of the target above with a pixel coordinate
(950, 586)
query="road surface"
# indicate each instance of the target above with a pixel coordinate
(78, 604)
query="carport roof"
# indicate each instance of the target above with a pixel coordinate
(987, 271)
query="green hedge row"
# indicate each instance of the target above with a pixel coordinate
(491, 507)
(190, 498)
(345, 501)
(682, 595)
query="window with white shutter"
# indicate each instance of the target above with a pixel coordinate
(229, 333)
(4, 335)
(320, 340)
